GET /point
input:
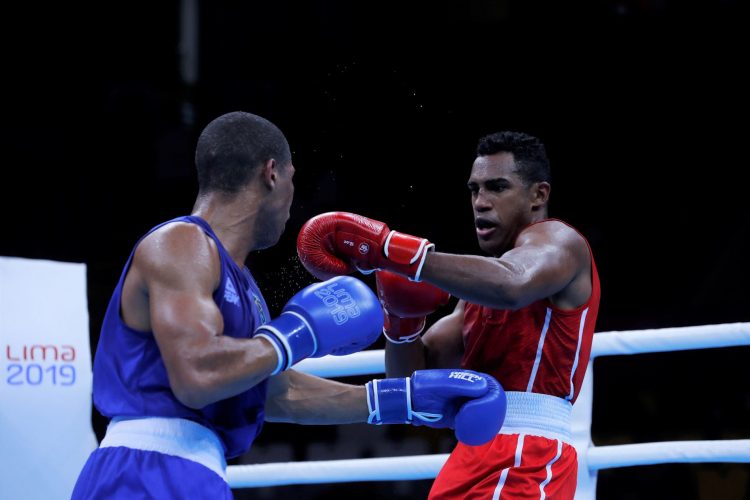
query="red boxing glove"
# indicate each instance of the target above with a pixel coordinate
(336, 243)
(406, 304)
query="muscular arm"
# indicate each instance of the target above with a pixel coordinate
(295, 397)
(550, 260)
(547, 259)
(177, 269)
(441, 346)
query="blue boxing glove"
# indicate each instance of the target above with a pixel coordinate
(470, 402)
(339, 316)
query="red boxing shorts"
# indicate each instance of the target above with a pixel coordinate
(512, 466)
(531, 458)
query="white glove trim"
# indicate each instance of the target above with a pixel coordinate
(419, 251)
(428, 417)
(374, 406)
(421, 415)
(366, 271)
(417, 274)
(408, 400)
(387, 242)
(275, 346)
(403, 340)
(416, 254)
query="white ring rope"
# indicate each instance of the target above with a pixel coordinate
(336, 471)
(626, 455)
(596, 457)
(359, 363)
(670, 339)
(427, 466)
(604, 344)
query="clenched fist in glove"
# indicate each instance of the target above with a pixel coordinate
(470, 402)
(339, 316)
(406, 304)
(336, 243)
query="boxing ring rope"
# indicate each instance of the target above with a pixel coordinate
(336, 471)
(591, 458)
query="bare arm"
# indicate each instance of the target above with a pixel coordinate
(548, 257)
(177, 269)
(441, 346)
(295, 397)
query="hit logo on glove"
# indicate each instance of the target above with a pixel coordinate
(472, 403)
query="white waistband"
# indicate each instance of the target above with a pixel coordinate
(171, 436)
(537, 415)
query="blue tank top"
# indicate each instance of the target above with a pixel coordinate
(130, 379)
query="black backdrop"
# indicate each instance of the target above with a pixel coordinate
(641, 105)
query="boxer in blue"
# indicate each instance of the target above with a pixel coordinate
(189, 364)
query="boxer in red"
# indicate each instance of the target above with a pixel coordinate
(526, 315)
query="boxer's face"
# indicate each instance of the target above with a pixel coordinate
(286, 192)
(276, 213)
(501, 201)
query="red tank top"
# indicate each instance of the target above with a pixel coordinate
(538, 348)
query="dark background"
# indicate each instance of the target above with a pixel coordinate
(642, 106)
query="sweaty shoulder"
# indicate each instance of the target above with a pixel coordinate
(570, 249)
(177, 257)
(555, 232)
(178, 251)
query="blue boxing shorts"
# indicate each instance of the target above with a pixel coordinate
(159, 458)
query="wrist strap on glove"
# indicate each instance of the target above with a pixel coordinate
(402, 340)
(291, 337)
(407, 250)
(413, 328)
(389, 402)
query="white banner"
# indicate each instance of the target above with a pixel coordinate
(45, 392)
